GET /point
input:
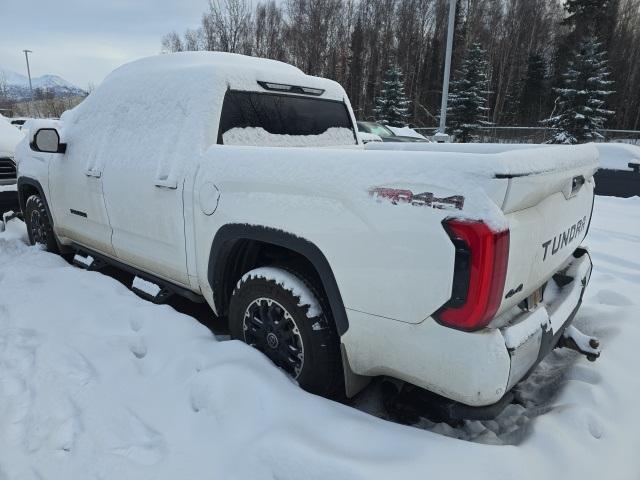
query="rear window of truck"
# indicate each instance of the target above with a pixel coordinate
(266, 119)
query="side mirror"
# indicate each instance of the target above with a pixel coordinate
(47, 140)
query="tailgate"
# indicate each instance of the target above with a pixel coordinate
(548, 216)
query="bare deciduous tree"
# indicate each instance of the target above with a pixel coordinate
(355, 41)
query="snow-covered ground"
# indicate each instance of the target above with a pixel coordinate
(97, 383)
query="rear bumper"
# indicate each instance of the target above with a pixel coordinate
(472, 368)
(534, 334)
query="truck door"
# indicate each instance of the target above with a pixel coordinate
(145, 205)
(77, 202)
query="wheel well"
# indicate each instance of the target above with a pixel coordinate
(239, 248)
(245, 255)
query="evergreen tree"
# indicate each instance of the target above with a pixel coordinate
(581, 101)
(534, 90)
(392, 106)
(510, 114)
(467, 108)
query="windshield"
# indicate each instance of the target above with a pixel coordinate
(379, 130)
(266, 119)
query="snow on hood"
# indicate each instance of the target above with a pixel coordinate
(10, 136)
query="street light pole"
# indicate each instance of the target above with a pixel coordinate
(441, 136)
(26, 56)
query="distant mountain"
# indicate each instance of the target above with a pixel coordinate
(17, 85)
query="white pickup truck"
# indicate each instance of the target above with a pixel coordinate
(242, 182)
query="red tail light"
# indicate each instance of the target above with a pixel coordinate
(480, 271)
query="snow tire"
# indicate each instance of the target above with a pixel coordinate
(299, 338)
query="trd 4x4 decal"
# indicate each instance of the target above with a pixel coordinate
(427, 199)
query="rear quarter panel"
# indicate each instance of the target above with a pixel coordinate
(393, 261)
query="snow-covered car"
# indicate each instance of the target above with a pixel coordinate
(18, 122)
(386, 134)
(455, 273)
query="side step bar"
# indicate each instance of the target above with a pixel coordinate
(150, 291)
(87, 262)
(147, 286)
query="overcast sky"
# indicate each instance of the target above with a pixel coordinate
(83, 40)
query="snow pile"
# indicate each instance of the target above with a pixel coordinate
(10, 136)
(405, 132)
(97, 383)
(258, 136)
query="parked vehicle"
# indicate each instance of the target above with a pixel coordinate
(368, 137)
(18, 122)
(619, 173)
(455, 273)
(9, 139)
(385, 133)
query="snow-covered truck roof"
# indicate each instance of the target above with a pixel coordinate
(172, 103)
(224, 70)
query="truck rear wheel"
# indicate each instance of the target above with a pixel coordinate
(282, 315)
(39, 224)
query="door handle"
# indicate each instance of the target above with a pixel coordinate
(93, 173)
(164, 182)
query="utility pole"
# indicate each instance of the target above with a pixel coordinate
(441, 136)
(26, 56)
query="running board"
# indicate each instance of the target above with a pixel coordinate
(87, 262)
(150, 291)
(167, 288)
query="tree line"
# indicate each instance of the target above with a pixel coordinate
(527, 44)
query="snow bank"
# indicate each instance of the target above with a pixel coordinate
(10, 136)
(258, 136)
(97, 383)
(405, 132)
